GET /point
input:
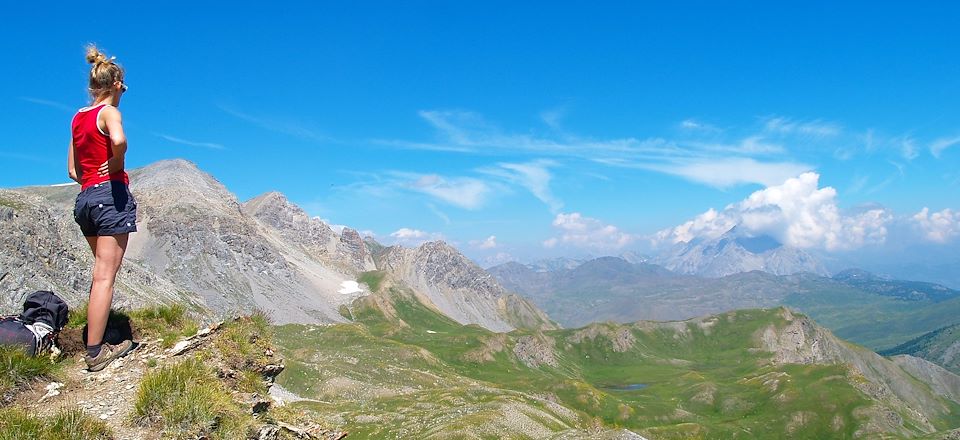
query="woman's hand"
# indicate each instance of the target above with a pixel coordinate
(111, 166)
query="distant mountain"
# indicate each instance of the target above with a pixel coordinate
(905, 290)
(554, 264)
(941, 346)
(736, 252)
(612, 289)
(198, 245)
(858, 306)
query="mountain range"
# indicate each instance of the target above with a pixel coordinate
(423, 343)
(197, 244)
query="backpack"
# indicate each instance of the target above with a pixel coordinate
(44, 315)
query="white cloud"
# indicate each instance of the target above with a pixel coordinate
(464, 192)
(49, 103)
(279, 125)
(695, 125)
(725, 173)
(176, 140)
(534, 176)
(815, 128)
(937, 147)
(908, 148)
(413, 237)
(797, 213)
(589, 233)
(488, 243)
(938, 227)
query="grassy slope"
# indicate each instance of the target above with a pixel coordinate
(381, 379)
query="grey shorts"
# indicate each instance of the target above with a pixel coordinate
(106, 208)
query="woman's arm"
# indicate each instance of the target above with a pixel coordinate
(114, 128)
(72, 164)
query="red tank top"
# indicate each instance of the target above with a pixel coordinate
(92, 147)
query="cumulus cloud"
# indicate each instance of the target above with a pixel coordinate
(938, 227)
(488, 243)
(798, 213)
(413, 237)
(585, 232)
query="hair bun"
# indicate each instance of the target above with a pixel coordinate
(94, 56)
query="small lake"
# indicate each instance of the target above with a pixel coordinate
(628, 387)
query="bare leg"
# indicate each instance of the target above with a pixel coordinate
(108, 254)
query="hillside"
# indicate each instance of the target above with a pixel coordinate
(941, 346)
(403, 370)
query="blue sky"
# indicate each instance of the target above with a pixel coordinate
(555, 128)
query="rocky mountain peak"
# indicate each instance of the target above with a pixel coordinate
(177, 182)
(737, 251)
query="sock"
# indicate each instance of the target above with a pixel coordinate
(94, 350)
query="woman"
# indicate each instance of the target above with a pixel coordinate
(105, 209)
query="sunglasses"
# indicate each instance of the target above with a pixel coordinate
(123, 86)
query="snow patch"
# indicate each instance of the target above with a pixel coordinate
(349, 288)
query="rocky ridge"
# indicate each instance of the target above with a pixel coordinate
(452, 284)
(197, 244)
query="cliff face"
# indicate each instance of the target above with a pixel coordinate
(449, 282)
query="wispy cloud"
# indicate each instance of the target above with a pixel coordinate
(698, 126)
(939, 145)
(723, 173)
(787, 126)
(468, 132)
(176, 140)
(439, 213)
(27, 157)
(279, 125)
(534, 176)
(49, 103)
(465, 192)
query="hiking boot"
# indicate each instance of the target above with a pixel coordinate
(108, 353)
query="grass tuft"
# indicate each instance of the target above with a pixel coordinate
(187, 400)
(19, 367)
(66, 424)
(168, 322)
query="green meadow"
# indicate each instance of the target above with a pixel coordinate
(404, 370)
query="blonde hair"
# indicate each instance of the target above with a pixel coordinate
(103, 74)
